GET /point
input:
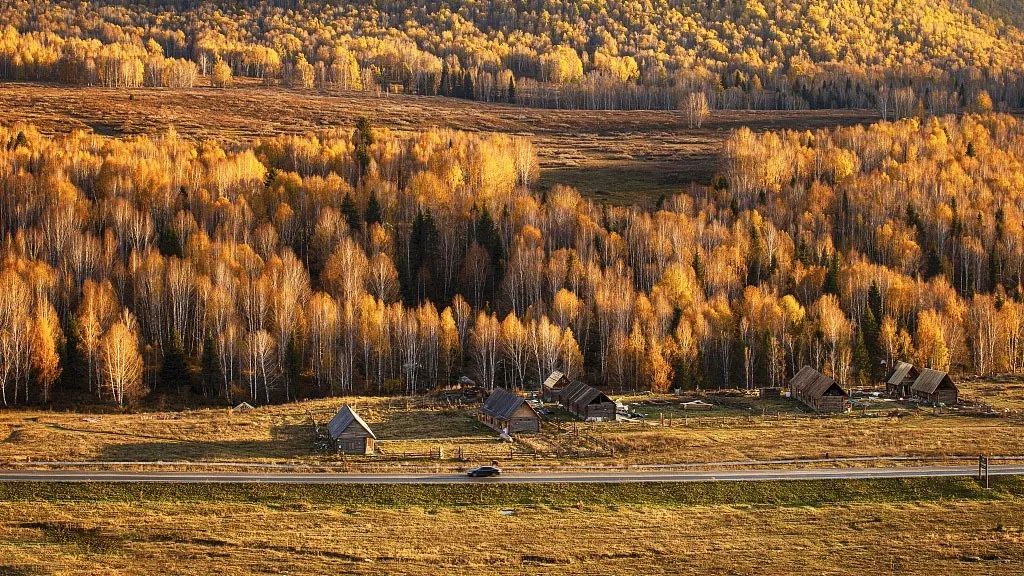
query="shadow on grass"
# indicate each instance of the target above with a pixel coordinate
(11, 570)
(93, 539)
(632, 182)
(289, 441)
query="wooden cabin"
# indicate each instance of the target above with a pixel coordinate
(350, 434)
(552, 388)
(587, 402)
(508, 413)
(935, 387)
(902, 378)
(818, 392)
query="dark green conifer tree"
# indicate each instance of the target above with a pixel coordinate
(351, 213)
(832, 275)
(363, 140)
(374, 214)
(174, 371)
(211, 377)
(444, 87)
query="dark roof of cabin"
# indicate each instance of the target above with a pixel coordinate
(502, 404)
(554, 379)
(343, 419)
(903, 369)
(583, 394)
(929, 381)
(810, 383)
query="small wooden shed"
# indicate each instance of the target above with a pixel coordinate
(509, 413)
(586, 402)
(553, 386)
(936, 387)
(902, 378)
(350, 433)
(819, 392)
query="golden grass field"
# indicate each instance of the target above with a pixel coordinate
(884, 527)
(619, 156)
(414, 426)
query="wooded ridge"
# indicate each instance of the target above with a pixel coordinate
(366, 260)
(898, 57)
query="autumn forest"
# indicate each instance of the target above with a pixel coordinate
(370, 261)
(620, 54)
(360, 259)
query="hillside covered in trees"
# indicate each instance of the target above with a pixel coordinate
(362, 260)
(899, 56)
(1011, 11)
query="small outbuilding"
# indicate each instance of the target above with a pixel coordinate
(902, 378)
(587, 402)
(508, 413)
(819, 392)
(350, 433)
(935, 387)
(552, 388)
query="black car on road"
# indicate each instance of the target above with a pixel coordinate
(483, 471)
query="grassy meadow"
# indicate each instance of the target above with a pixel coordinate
(919, 526)
(409, 428)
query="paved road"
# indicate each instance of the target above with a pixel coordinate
(523, 478)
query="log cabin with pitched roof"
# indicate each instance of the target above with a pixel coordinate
(818, 392)
(552, 388)
(935, 387)
(901, 379)
(586, 402)
(350, 433)
(508, 412)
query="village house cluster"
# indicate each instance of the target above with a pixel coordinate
(906, 382)
(509, 413)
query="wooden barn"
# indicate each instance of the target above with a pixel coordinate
(935, 387)
(902, 378)
(819, 392)
(587, 402)
(349, 433)
(553, 386)
(508, 412)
